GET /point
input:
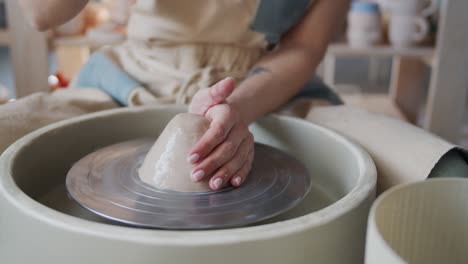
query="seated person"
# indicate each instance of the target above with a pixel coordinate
(233, 62)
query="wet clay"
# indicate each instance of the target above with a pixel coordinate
(166, 165)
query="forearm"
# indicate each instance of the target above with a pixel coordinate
(273, 81)
(45, 14)
(284, 71)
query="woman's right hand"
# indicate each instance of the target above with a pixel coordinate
(226, 151)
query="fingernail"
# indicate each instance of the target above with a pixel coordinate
(237, 180)
(198, 175)
(193, 158)
(217, 183)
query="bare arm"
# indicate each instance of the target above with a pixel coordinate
(279, 75)
(45, 14)
(226, 151)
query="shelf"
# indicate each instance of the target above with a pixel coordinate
(4, 37)
(343, 50)
(334, 49)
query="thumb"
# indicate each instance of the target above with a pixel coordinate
(209, 97)
(221, 91)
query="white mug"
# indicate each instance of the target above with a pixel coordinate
(423, 8)
(407, 30)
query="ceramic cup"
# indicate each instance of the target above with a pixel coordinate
(407, 30)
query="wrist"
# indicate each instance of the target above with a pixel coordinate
(242, 110)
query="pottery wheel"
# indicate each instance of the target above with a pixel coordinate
(106, 182)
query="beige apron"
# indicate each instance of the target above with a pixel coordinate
(176, 47)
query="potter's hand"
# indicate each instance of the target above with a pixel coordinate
(226, 151)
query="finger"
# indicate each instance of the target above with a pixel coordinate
(221, 155)
(209, 97)
(221, 90)
(241, 175)
(220, 126)
(224, 174)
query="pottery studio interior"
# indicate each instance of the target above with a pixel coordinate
(233, 131)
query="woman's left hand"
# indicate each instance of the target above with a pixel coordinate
(226, 151)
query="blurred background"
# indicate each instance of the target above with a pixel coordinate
(384, 58)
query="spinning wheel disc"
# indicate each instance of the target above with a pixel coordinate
(106, 182)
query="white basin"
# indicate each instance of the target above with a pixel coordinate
(40, 224)
(420, 223)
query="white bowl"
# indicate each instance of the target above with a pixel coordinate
(39, 224)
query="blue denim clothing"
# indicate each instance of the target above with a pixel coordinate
(317, 89)
(103, 73)
(276, 17)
